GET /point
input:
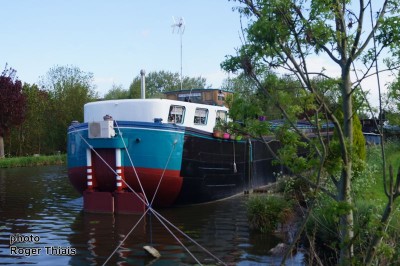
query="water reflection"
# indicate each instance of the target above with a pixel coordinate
(40, 201)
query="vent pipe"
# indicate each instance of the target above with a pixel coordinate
(143, 84)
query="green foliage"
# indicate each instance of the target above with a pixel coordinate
(358, 138)
(69, 89)
(256, 128)
(31, 136)
(369, 201)
(221, 126)
(157, 82)
(33, 161)
(323, 227)
(288, 153)
(12, 104)
(286, 35)
(392, 149)
(389, 33)
(393, 101)
(50, 110)
(249, 102)
(243, 108)
(266, 212)
(117, 92)
(334, 162)
(63, 92)
(135, 89)
(12, 101)
(294, 189)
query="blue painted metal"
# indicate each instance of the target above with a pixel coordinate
(149, 144)
(114, 143)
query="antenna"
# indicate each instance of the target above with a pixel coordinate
(180, 26)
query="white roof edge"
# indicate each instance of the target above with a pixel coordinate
(154, 100)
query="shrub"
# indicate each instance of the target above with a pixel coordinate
(266, 212)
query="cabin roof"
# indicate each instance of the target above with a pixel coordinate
(196, 90)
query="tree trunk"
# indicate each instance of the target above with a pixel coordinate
(1, 147)
(346, 220)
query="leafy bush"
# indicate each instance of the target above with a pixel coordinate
(266, 212)
(322, 229)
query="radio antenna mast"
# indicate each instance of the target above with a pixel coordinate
(179, 24)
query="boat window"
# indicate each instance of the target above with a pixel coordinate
(200, 116)
(221, 116)
(190, 97)
(176, 114)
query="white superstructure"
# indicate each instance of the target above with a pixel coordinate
(195, 115)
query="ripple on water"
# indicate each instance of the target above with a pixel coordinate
(52, 210)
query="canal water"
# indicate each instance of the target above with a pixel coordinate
(42, 223)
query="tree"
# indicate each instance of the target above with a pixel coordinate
(158, 82)
(35, 127)
(30, 137)
(69, 89)
(393, 102)
(288, 35)
(12, 104)
(116, 92)
(249, 102)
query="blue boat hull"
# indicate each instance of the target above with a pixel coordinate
(175, 165)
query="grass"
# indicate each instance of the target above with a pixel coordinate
(374, 161)
(392, 159)
(33, 161)
(369, 204)
(393, 156)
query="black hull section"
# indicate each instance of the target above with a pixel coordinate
(214, 169)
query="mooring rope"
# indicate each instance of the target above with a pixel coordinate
(162, 175)
(188, 237)
(127, 235)
(176, 238)
(234, 158)
(133, 166)
(109, 166)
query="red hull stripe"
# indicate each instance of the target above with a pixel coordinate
(167, 193)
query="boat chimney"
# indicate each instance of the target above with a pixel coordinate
(143, 84)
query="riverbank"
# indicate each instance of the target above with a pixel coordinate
(40, 160)
(269, 212)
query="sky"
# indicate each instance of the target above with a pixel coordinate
(114, 40)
